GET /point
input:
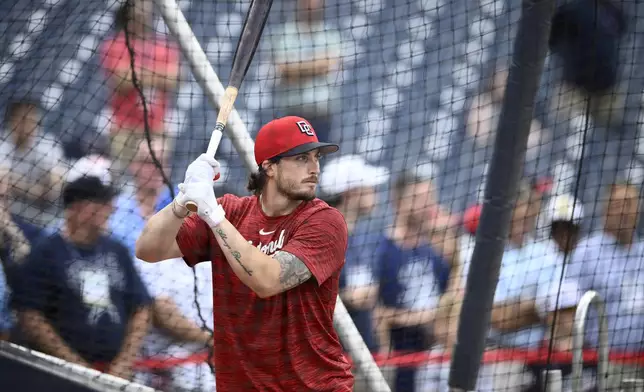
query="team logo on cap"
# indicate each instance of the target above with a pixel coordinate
(305, 128)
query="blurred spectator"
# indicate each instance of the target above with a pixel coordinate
(79, 296)
(611, 262)
(177, 321)
(35, 162)
(585, 38)
(307, 54)
(530, 271)
(156, 68)
(16, 237)
(565, 215)
(484, 112)
(528, 294)
(165, 281)
(14, 245)
(412, 275)
(348, 183)
(142, 195)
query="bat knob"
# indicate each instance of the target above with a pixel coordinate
(192, 207)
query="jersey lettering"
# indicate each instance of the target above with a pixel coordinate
(272, 246)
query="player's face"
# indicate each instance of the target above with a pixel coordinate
(297, 177)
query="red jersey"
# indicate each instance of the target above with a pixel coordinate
(286, 342)
(154, 53)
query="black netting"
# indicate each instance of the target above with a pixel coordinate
(97, 97)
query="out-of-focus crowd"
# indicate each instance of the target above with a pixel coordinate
(71, 287)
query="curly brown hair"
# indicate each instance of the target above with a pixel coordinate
(257, 181)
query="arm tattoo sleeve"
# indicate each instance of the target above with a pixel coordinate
(292, 270)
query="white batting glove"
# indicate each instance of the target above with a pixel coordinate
(203, 195)
(198, 188)
(203, 169)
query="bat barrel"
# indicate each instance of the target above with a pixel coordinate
(251, 33)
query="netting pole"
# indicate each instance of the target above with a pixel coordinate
(530, 49)
(209, 81)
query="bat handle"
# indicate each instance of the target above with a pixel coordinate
(225, 109)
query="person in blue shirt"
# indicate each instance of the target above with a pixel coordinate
(79, 296)
(145, 194)
(353, 193)
(413, 275)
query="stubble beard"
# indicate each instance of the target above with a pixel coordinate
(287, 189)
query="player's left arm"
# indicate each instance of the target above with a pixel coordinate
(316, 250)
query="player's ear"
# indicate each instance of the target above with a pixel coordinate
(269, 168)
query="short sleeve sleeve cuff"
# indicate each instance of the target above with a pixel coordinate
(193, 240)
(321, 243)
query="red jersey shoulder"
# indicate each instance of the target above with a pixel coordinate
(320, 209)
(324, 221)
(315, 209)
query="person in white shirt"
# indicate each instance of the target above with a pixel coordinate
(528, 293)
(611, 262)
(172, 286)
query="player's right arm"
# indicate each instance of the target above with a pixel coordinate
(173, 232)
(158, 240)
(167, 235)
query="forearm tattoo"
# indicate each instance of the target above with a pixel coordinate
(292, 270)
(236, 255)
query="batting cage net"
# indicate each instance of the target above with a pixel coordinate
(106, 103)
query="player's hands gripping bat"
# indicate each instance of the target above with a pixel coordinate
(250, 35)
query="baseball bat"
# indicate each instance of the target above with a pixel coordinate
(246, 47)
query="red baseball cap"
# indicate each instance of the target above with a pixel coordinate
(286, 137)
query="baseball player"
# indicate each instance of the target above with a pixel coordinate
(276, 259)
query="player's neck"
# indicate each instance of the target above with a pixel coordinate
(274, 204)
